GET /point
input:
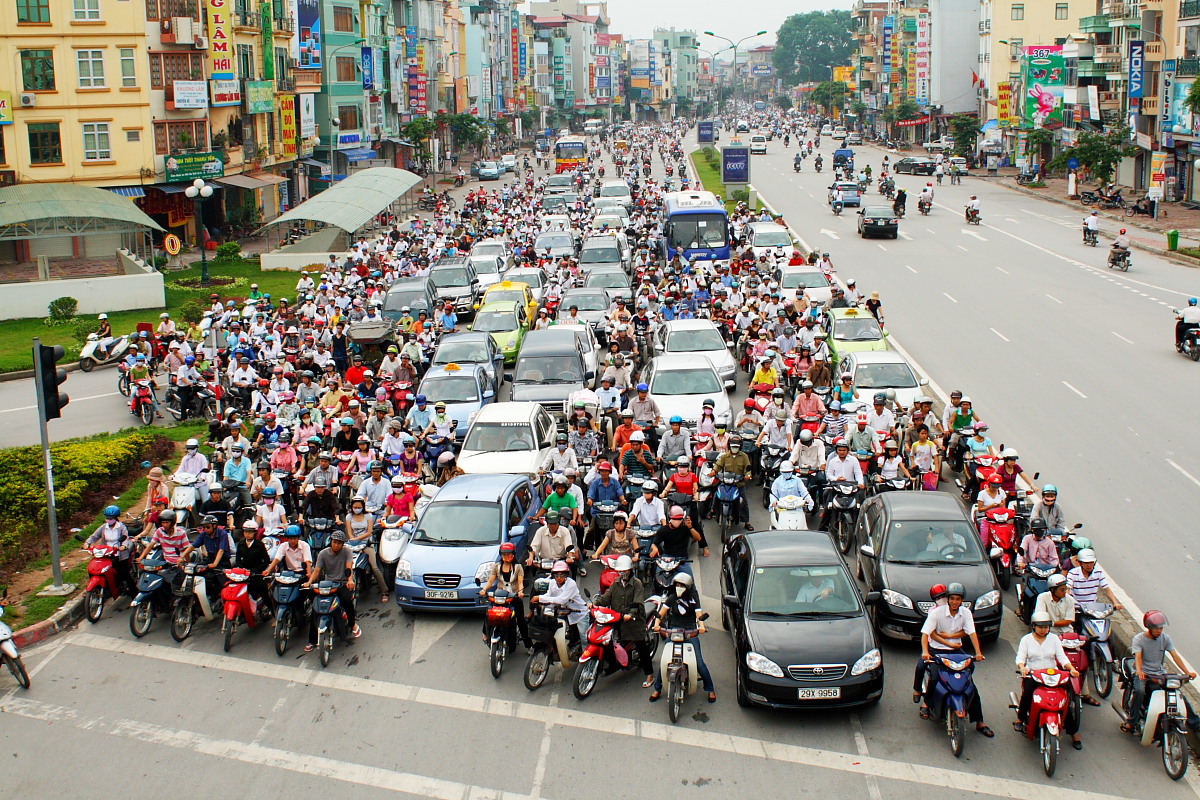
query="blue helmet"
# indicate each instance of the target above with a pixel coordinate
(421, 399)
(347, 420)
(676, 420)
(1049, 488)
(269, 491)
(190, 360)
(1192, 301)
(291, 530)
(112, 512)
(641, 387)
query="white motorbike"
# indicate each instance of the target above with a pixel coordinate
(89, 356)
(677, 666)
(790, 513)
(184, 497)
(8, 649)
(1165, 723)
(396, 532)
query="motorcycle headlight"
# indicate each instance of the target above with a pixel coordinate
(870, 660)
(484, 571)
(987, 600)
(763, 665)
(403, 570)
(896, 599)
(392, 534)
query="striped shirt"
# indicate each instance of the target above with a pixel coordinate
(173, 544)
(835, 426)
(1086, 588)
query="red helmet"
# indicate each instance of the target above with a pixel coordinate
(508, 547)
(996, 479)
(604, 465)
(677, 512)
(937, 591)
(1154, 619)
(270, 416)
(749, 404)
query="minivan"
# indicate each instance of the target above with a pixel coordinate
(455, 281)
(550, 368)
(417, 294)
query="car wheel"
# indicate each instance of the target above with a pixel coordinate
(743, 697)
(895, 234)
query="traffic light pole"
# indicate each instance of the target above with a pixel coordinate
(59, 588)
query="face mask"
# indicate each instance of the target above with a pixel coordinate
(680, 590)
(562, 447)
(270, 500)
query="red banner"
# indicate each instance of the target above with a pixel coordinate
(909, 123)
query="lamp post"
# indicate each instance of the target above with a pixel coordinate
(200, 191)
(735, 48)
(713, 64)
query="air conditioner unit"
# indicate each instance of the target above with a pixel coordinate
(291, 63)
(201, 43)
(28, 100)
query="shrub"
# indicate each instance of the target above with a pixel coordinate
(62, 310)
(740, 196)
(160, 262)
(230, 251)
(191, 311)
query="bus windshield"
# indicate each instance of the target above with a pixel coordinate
(694, 231)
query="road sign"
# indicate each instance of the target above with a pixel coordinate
(172, 244)
(1073, 163)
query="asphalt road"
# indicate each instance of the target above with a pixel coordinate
(1069, 362)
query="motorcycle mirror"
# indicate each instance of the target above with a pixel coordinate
(1077, 526)
(478, 582)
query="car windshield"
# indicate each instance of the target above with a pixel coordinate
(462, 352)
(614, 191)
(698, 230)
(559, 180)
(586, 302)
(499, 437)
(936, 542)
(612, 221)
(802, 591)
(848, 188)
(500, 295)
(495, 321)
(488, 165)
(548, 369)
(548, 240)
(607, 280)
(806, 280)
(451, 389)
(686, 381)
(534, 279)
(413, 299)
(857, 329)
(772, 239)
(600, 255)
(698, 340)
(459, 523)
(878, 211)
(445, 277)
(884, 376)
(488, 249)
(486, 265)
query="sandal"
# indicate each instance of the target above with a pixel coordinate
(924, 712)
(749, 527)
(916, 697)
(712, 697)
(357, 632)
(1126, 727)
(654, 696)
(646, 684)
(308, 648)
(1089, 700)
(1019, 726)
(383, 598)
(986, 731)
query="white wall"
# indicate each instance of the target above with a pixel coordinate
(95, 295)
(954, 53)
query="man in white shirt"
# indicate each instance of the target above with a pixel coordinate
(942, 634)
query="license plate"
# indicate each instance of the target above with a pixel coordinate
(441, 594)
(821, 694)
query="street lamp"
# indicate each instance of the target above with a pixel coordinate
(735, 48)
(200, 191)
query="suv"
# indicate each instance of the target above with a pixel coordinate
(457, 540)
(507, 437)
(618, 188)
(455, 281)
(550, 368)
(416, 294)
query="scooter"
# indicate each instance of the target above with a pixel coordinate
(949, 696)
(551, 634)
(141, 403)
(1165, 723)
(154, 594)
(89, 356)
(795, 166)
(102, 581)
(238, 605)
(841, 513)
(769, 459)
(604, 654)
(1119, 259)
(923, 206)
(184, 496)
(1047, 713)
(665, 569)
(678, 668)
(320, 531)
(391, 543)
(1091, 237)
(972, 216)
(8, 650)
(501, 636)
(729, 502)
(1003, 551)
(1034, 580)
(790, 513)
(291, 607)
(1075, 646)
(331, 618)
(1097, 628)
(192, 600)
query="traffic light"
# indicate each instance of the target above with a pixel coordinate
(51, 378)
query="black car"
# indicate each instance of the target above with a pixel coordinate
(914, 165)
(801, 634)
(878, 221)
(909, 541)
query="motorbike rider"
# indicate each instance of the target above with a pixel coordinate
(1150, 649)
(1036, 547)
(838, 199)
(1091, 225)
(563, 591)
(334, 563)
(972, 208)
(648, 511)
(1041, 649)
(251, 554)
(682, 610)
(1120, 248)
(925, 198)
(508, 575)
(1187, 320)
(113, 533)
(737, 462)
(625, 597)
(676, 443)
(1049, 511)
(1087, 579)
(898, 205)
(174, 542)
(842, 466)
(553, 541)
(360, 527)
(789, 483)
(563, 501)
(942, 633)
(1061, 607)
(294, 554)
(797, 161)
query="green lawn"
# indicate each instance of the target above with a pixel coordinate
(711, 178)
(16, 336)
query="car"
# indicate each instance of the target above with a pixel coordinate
(559, 203)
(878, 221)
(854, 139)
(552, 366)
(455, 281)
(586, 335)
(493, 247)
(914, 165)
(558, 244)
(851, 196)
(881, 371)
(512, 290)
(489, 171)
(608, 221)
(533, 277)
(557, 184)
(472, 348)
(769, 237)
(853, 330)
(680, 384)
(610, 278)
(593, 305)
(554, 222)
(939, 145)
(487, 269)
(697, 337)
(601, 250)
(612, 205)
(839, 132)
(901, 554)
(508, 162)
(415, 294)
(758, 145)
(464, 388)
(457, 540)
(801, 634)
(959, 163)
(808, 277)
(507, 437)
(616, 189)
(506, 322)
(827, 130)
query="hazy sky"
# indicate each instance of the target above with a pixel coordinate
(638, 18)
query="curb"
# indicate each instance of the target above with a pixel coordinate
(66, 617)
(22, 374)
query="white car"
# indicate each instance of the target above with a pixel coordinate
(697, 337)
(810, 277)
(881, 371)
(839, 132)
(769, 237)
(758, 145)
(507, 437)
(679, 385)
(509, 162)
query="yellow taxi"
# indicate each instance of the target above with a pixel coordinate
(516, 291)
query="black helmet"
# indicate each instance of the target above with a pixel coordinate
(166, 516)
(956, 589)
(207, 519)
(1037, 524)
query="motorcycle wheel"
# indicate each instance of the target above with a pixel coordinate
(766, 495)
(1124, 265)
(87, 364)
(536, 668)
(123, 385)
(585, 678)
(325, 646)
(230, 627)
(17, 667)
(675, 692)
(1049, 752)
(1004, 575)
(1194, 352)
(181, 621)
(173, 407)
(146, 412)
(140, 619)
(496, 657)
(726, 521)
(1087, 200)
(1102, 676)
(954, 729)
(843, 535)
(1174, 750)
(283, 627)
(95, 604)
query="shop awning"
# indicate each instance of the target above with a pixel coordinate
(171, 188)
(128, 191)
(401, 142)
(267, 177)
(354, 202)
(312, 162)
(241, 182)
(359, 154)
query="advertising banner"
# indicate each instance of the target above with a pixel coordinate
(268, 32)
(399, 83)
(911, 67)
(889, 24)
(189, 166)
(1044, 78)
(308, 115)
(1004, 103)
(762, 70)
(287, 123)
(293, 7)
(226, 93)
(368, 68)
(704, 132)
(912, 123)
(521, 52)
(308, 29)
(1137, 68)
(1158, 174)
(6, 111)
(190, 94)
(1094, 101)
(260, 97)
(735, 165)
(220, 40)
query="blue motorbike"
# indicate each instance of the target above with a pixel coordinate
(331, 618)
(291, 604)
(154, 595)
(1034, 580)
(320, 531)
(729, 502)
(950, 694)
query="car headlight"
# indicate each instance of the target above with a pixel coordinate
(764, 665)
(484, 571)
(987, 600)
(870, 660)
(512, 342)
(403, 570)
(896, 599)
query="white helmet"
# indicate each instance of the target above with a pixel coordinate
(650, 486)
(102, 316)
(623, 564)
(637, 436)
(191, 443)
(1086, 556)
(1041, 618)
(787, 467)
(1008, 452)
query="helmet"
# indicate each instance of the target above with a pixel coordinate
(995, 479)
(421, 399)
(1037, 524)
(291, 530)
(623, 564)
(1086, 556)
(560, 566)
(683, 578)
(508, 547)
(937, 591)
(112, 512)
(890, 444)
(1081, 543)
(339, 536)
(1049, 488)
(677, 512)
(840, 442)
(781, 414)
(786, 467)
(445, 458)
(637, 436)
(604, 466)
(749, 404)
(251, 525)
(208, 519)
(641, 387)
(1008, 452)
(650, 486)
(980, 427)
(397, 481)
(270, 490)
(777, 392)
(1040, 618)
(880, 398)
(167, 516)
(956, 588)
(560, 438)
(676, 420)
(806, 436)
(708, 403)
(1056, 580)
(1192, 301)
(1154, 619)
(683, 461)
(836, 405)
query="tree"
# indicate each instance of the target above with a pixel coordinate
(965, 128)
(1097, 152)
(1192, 101)
(829, 94)
(806, 44)
(904, 110)
(858, 108)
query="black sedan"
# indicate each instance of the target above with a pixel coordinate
(801, 635)
(878, 221)
(909, 541)
(914, 165)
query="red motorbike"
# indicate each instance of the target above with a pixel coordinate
(810, 422)
(761, 393)
(399, 394)
(1002, 525)
(1076, 647)
(238, 605)
(608, 575)
(141, 402)
(102, 580)
(1047, 713)
(603, 651)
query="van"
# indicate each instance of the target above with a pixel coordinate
(417, 294)
(743, 126)
(550, 368)
(592, 127)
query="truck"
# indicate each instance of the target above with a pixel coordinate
(942, 145)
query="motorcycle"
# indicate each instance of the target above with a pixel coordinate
(331, 618)
(192, 600)
(1190, 346)
(1119, 259)
(603, 653)
(1165, 723)
(551, 634)
(678, 668)
(154, 594)
(320, 531)
(817, 165)
(837, 208)
(1144, 207)
(665, 569)
(238, 605)
(729, 502)
(1035, 579)
(123, 379)
(972, 216)
(1091, 236)
(202, 406)
(90, 358)
(795, 166)
(949, 696)
(8, 650)
(841, 512)
(102, 581)
(391, 542)
(1003, 550)
(923, 206)
(142, 401)
(1096, 627)
(184, 496)
(291, 606)
(790, 513)
(1047, 713)
(769, 459)
(500, 629)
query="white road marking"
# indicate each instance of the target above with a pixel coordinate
(427, 630)
(948, 297)
(1184, 472)
(960, 247)
(881, 247)
(1055, 299)
(829, 233)
(1122, 338)
(931, 230)
(860, 744)
(1001, 335)
(1002, 269)
(980, 237)
(820, 758)
(1073, 389)
(905, 236)
(910, 269)
(539, 770)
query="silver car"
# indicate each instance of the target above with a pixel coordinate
(697, 337)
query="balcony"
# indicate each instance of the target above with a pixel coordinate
(1108, 53)
(1099, 22)
(1155, 51)
(283, 27)
(1187, 67)
(1092, 69)
(247, 20)
(1189, 9)
(1150, 107)
(285, 84)
(307, 80)
(1122, 14)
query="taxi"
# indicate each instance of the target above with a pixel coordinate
(854, 330)
(511, 290)
(464, 388)
(507, 322)
(621, 145)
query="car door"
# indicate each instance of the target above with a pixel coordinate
(496, 359)
(873, 536)
(735, 571)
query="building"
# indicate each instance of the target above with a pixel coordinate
(684, 55)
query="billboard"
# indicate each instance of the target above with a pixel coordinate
(888, 28)
(308, 116)
(735, 165)
(368, 68)
(260, 97)
(220, 40)
(190, 94)
(189, 166)
(762, 70)
(1044, 78)
(1004, 103)
(1137, 67)
(308, 24)
(287, 124)
(704, 132)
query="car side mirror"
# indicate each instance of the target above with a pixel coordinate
(867, 551)
(873, 597)
(589, 375)
(732, 601)
(478, 582)
(516, 532)
(488, 394)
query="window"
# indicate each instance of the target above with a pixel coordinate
(180, 135)
(245, 60)
(133, 136)
(45, 145)
(1018, 11)
(33, 10)
(3, 156)
(91, 68)
(37, 70)
(128, 67)
(95, 142)
(87, 9)
(348, 118)
(1061, 11)
(165, 9)
(345, 69)
(166, 68)
(343, 19)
